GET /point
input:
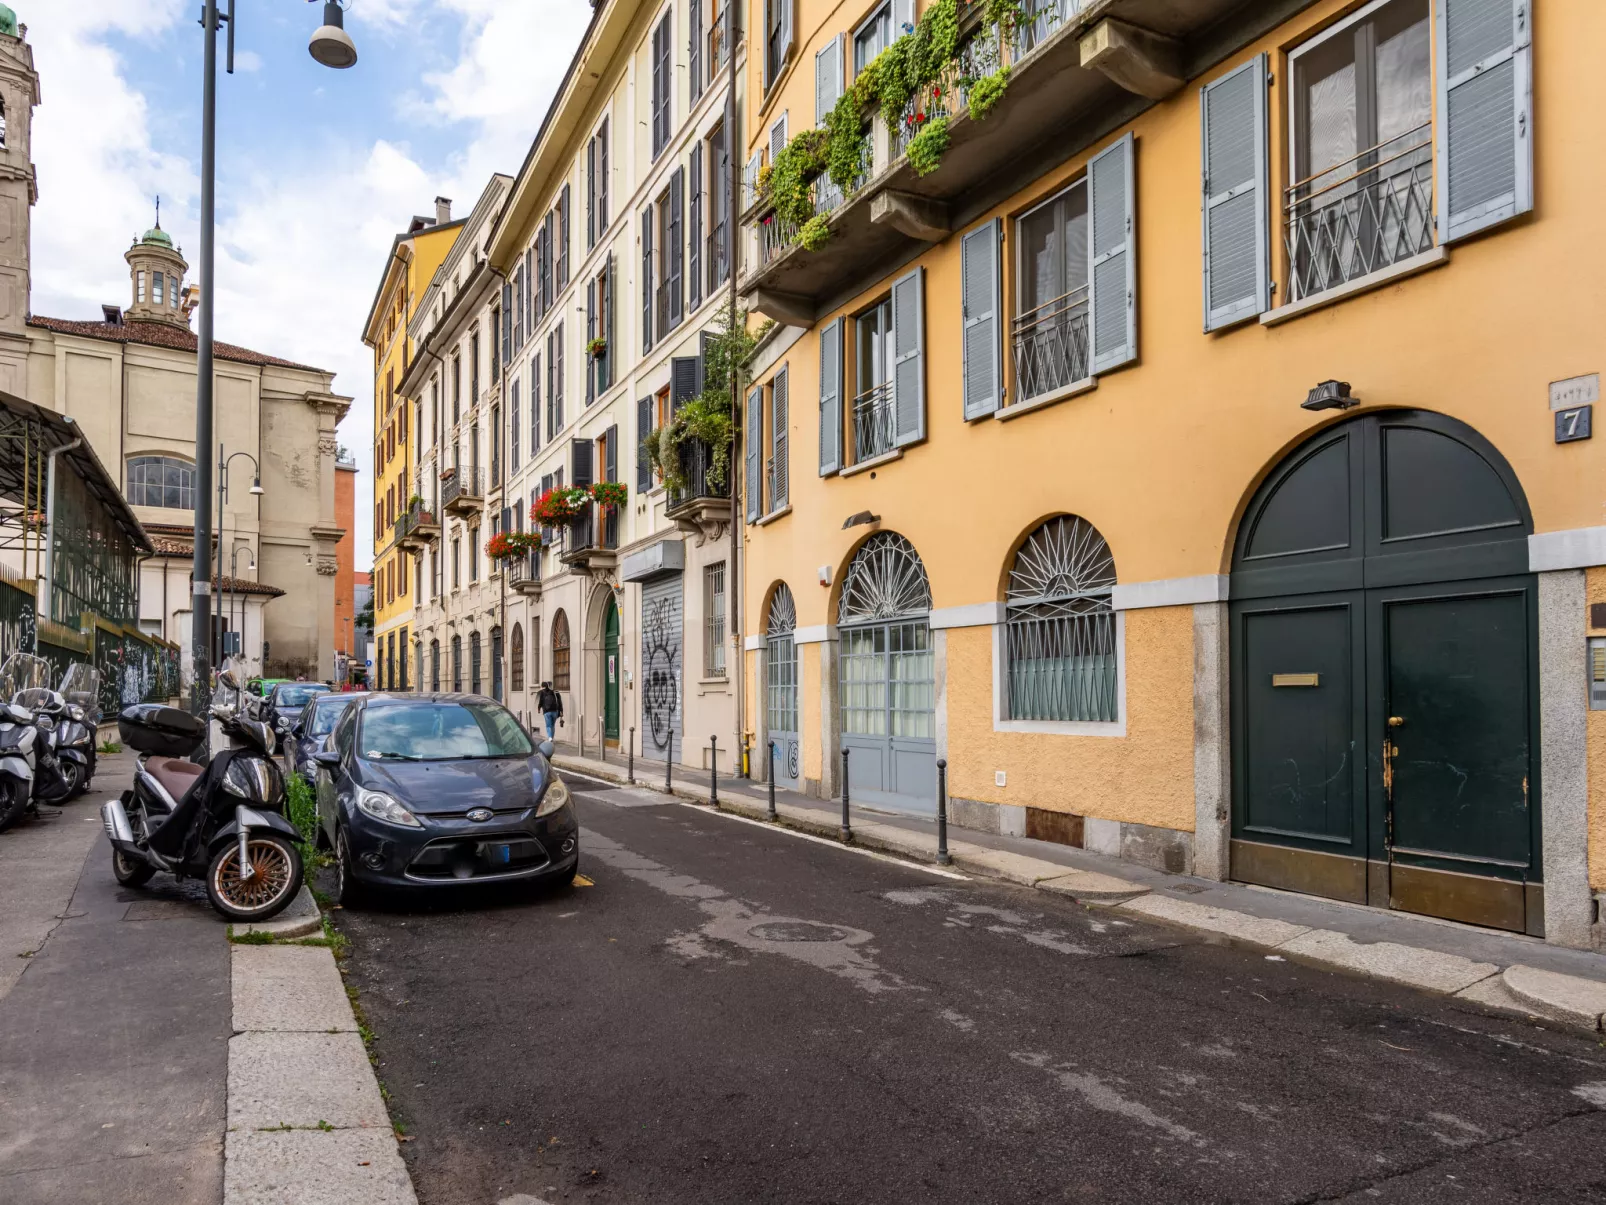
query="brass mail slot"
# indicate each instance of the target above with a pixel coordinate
(1296, 679)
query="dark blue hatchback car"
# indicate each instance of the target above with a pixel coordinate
(440, 790)
(316, 722)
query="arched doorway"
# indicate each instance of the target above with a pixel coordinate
(780, 688)
(887, 676)
(610, 672)
(1384, 675)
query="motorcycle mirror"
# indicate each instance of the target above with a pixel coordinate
(327, 757)
(227, 679)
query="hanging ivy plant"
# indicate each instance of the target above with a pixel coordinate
(815, 233)
(986, 92)
(708, 417)
(791, 172)
(926, 148)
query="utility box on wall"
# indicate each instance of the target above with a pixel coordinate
(1597, 673)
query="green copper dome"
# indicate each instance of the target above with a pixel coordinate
(8, 21)
(158, 236)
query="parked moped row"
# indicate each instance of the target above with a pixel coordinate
(47, 734)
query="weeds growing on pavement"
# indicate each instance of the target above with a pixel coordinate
(109, 747)
(302, 811)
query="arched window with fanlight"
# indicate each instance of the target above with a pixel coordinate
(474, 657)
(516, 658)
(1060, 633)
(560, 651)
(780, 684)
(457, 664)
(435, 665)
(161, 481)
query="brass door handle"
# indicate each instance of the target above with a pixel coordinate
(1396, 721)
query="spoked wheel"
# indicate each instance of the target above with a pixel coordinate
(129, 871)
(274, 879)
(14, 795)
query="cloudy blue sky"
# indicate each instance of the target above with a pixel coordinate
(317, 169)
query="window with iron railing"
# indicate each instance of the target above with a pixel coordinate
(1060, 630)
(714, 620)
(1362, 146)
(1048, 331)
(874, 423)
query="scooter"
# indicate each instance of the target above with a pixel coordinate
(30, 771)
(223, 822)
(77, 732)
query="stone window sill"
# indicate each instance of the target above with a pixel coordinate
(1064, 393)
(1428, 260)
(864, 466)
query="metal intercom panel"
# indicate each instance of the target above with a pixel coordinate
(1597, 673)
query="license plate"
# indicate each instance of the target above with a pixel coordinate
(501, 855)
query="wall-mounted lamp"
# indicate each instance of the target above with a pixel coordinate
(1330, 395)
(860, 519)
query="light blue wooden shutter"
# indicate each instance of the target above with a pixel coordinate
(1112, 257)
(1237, 246)
(643, 461)
(981, 306)
(780, 479)
(788, 25)
(908, 358)
(1485, 114)
(903, 18)
(831, 398)
(755, 415)
(828, 82)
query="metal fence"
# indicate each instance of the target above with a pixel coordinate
(1050, 345)
(873, 422)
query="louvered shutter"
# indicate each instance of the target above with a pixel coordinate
(1112, 257)
(591, 333)
(563, 238)
(683, 381)
(507, 323)
(788, 25)
(755, 415)
(546, 529)
(908, 358)
(674, 254)
(591, 192)
(982, 305)
(694, 50)
(694, 236)
(602, 177)
(610, 453)
(903, 18)
(779, 442)
(580, 462)
(778, 136)
(646, 280)
(643, 461)
(828, 83)
(535, 403)
(750, 178)
(1237, 247)
(831, 398)
(609, 357)
(1485, 113)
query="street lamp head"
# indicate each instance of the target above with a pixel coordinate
(256, 486)
(331, 45)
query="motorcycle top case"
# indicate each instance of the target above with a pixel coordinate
(151, 728)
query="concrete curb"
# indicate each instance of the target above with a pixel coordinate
(300, 919)
(306, 1120)
(1570, 1000)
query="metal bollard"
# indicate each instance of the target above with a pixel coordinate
(847, 827)
(630, 774)
(602, 738)
(942, 813)
(772, 780)
(669, 765)
(713, 771)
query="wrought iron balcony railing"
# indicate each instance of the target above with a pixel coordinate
(1049, 344)
(595, 530)
(464, 489)
(873, 428)
(1359, 216)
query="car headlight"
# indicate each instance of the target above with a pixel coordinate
(557, 794)
(382, 807)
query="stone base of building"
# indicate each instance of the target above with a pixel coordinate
(1164, 849)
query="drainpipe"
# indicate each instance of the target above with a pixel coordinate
(49, 567)
(739, 654)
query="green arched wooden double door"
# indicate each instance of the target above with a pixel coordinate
(610, 673)
(1385, 722)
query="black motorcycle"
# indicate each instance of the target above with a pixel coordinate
(223, 822)
(78, 730)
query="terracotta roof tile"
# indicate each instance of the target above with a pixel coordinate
(159, 334)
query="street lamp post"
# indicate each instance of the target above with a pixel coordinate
(223, 463)
(332, 47)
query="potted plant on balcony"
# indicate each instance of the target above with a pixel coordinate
(559, 506)
(707, 417)
(511, 545)
(597, 347)
(448, 474)
(610, 494)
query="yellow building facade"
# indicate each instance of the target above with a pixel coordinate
(1194, 459)
(414, 258)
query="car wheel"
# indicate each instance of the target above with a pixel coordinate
(349, 893)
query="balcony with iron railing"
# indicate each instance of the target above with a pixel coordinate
(463, 491)
(592, 538)
(1360, 216)
(1049, 348)
(874, 423)
(1052, 105)
(703, 504)
(416, 528)
(524, 574)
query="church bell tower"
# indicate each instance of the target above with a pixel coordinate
(19, 190)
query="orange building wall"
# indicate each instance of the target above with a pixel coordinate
(345, 555)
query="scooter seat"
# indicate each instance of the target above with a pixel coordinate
(176, 775)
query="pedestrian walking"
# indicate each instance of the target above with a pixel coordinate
(550, 704)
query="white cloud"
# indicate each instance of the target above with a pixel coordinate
(300, 245)
(247, 61)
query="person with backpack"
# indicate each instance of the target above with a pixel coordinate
(550, 704)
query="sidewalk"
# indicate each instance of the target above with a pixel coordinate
(1511, 972)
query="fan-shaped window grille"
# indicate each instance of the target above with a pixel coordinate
(780, 662)
(560, 651)
(1060, 634)
(885, 580)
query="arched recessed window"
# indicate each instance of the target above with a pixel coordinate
(560, 651)
(516, 658)
(435, 665)
(496, 664)
(535, 651)
(1060, 649)
(161, 481)
(780, 661)
(474, 663)
(457, 663)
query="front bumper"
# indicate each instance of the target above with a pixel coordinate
(453, 851)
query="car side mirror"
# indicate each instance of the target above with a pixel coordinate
(327, 757)
(545, 749)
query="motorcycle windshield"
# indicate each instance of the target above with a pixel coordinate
(231, 679)
(24, 672)
(81, 685)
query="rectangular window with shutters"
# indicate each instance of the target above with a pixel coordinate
(602, 178)
(777, 466)
(872, 37)
(694, 48)
(871, 416)
(714, 620)
(473, 554)
(496, 360)
(591, 192)
(663, 79)
(644, 428)
(648, 290)
(1048, 332)
(674, 258)
(563, 238)
(778, 21)
(719, 204)
(1361, 151)
(535, 404)
(694, 233)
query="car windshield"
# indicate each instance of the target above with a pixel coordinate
(325, 712)
(300, 694)
(428, 731)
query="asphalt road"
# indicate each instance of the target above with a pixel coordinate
(735, 1014)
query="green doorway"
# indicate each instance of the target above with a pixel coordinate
(610, 672)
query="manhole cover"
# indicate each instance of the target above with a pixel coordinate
(796, 930)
